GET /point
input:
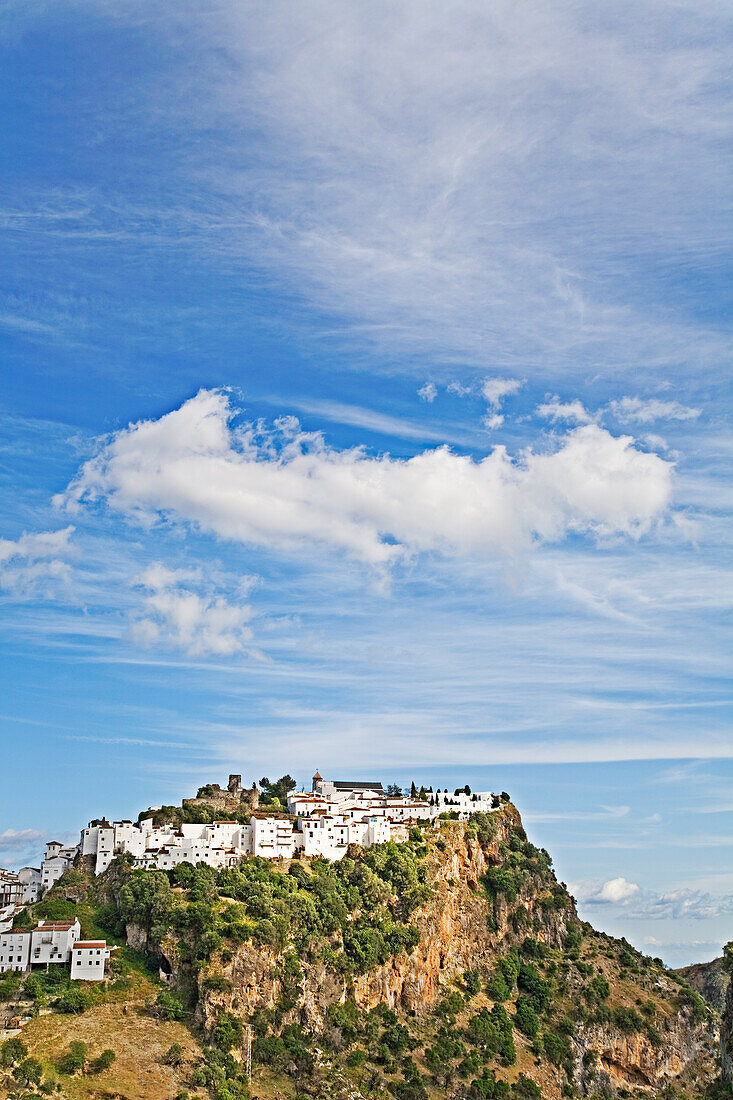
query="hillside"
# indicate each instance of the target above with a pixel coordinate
(453, 965)
(709, 979)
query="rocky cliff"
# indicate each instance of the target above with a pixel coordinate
(726, 1036)
(709, 979)
(608, 1019)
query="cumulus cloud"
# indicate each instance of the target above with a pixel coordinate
(640, 904)
(495, 390)
(428, 392)
(569, 412)
(179, 618)
(640, 410)
(614, 891)
(35, 561)
(492, 420)
(285, 487)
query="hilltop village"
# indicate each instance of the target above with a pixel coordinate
(275, 822)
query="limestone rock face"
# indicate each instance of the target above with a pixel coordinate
(461, 929)
(726, 1036)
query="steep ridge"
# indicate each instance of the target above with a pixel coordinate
(710, 980)
(454, 965)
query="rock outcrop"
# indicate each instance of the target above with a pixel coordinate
(460, 929)
(726, 1036)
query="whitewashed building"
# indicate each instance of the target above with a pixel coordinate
(55, 862)
(51, 941)
(87, 960)
(15, 948)
(32, 882)
(324, 821)
(11, 889)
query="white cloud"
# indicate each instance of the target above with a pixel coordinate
(285, 488)
(179, 618)
(614, 891)
(495, 390)
(641, 904)
(571, 412)
(35, 561)
(617, 889)
(453, 214)
(492, 420)
(459, 389)
(428, 392)
(640, 410)
(11, 839)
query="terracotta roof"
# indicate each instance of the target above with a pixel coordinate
(55, 926)
(318, 775)
(89, 943)
(16, 932)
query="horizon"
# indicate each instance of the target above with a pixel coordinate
(367, 402)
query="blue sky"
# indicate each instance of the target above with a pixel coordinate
(366, 406)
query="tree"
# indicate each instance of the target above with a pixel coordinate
(74, 1000)
(413, 790)
(29, 1072)
(472, 982)
(728, 957)
(168, 1007)
(526, 1018)
(12, 1051)
(394, 791)
(227, 1032)
(75, 1058)
(277, 791)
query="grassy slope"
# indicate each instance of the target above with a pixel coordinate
(138, 1041)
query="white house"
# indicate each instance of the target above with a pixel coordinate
(56, 860)
(11, 888)
(334, 814)
(51, 941)
(15, 946)
(272, 837)
(32, 883)
(87, 960)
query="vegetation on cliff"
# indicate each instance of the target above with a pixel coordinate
(452, 965)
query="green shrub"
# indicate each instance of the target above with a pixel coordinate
(526, 1017)
(75, 1058)
(74, 1001)
(167, 1007)
(472, 982)
(174, 1055)
(28, 1072)
(227, 1032)
(103, 1061)
(13, 1050)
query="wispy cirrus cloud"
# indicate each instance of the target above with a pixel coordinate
(571, 412)
(36, 561)
(640, 410)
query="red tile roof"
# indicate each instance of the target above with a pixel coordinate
(88, 943)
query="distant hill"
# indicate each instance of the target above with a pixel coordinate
(709, 979)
